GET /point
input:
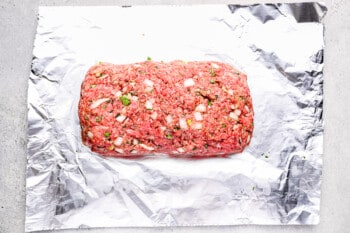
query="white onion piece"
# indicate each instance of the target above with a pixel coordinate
(146, 147)
(189, 82)
(183, 123)
(118, 94)
(148, 83)
(238, 112)
(198, 116)
(120, 151)
(181, 150)
(162, 128)
(135, 98)
(98, 102)
(121, 118)
(135, 141)
(248, 139)
(169, 119)
(118, 141)
(214, 65)
(230, 92)
(233, 116)
(90, 134)
(148, 105)
(201, 108)
(154, 115)
(197, 125)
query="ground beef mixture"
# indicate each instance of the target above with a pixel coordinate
(196, 109)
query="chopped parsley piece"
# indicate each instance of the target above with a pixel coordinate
(107, 134)
(210, 103)
(149, 58)
(169, 136)
(212, 72)
(212, 81)
(99, 74)
(223, 125)
(125, 100)
(98, 119)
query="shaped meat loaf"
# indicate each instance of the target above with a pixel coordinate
(196, 109)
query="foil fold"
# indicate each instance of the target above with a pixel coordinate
(276, 180)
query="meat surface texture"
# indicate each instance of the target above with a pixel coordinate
(182, 109)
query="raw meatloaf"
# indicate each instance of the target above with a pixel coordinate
(197, 109)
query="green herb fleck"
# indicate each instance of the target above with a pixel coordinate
(223, 125)
(125, 100)
(169, 136)
(107, 134)
(212, 81)
(216, 97)
(149, 58)
(206, 146)
(210, 103)
(253, 188)
(194, 148)
(212, 72)
(266, 156)
(118, 114)
(98, 119)
(156, 67)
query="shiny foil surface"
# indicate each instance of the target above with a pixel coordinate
(276, 180)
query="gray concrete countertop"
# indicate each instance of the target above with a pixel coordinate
(17, 30)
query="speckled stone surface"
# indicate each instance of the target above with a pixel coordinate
(17, 31)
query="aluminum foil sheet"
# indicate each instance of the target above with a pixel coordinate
(276, 180)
